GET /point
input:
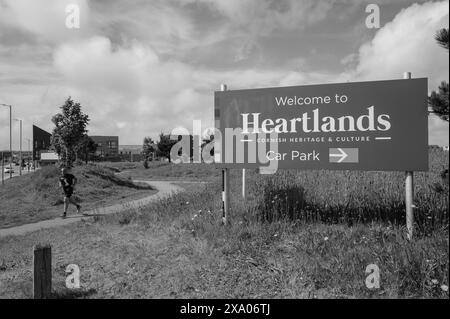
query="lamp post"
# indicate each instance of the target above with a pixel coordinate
(28, 155)
(10, 137)
(20, 160)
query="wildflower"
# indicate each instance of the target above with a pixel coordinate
(434, 281)
(444, 288)
(187, 203)
(276, 235)
(326, 238)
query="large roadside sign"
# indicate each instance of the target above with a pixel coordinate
(369, 126)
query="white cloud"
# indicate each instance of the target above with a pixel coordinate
(264, 16)
(407, 44)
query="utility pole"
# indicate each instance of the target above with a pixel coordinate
(10, 137)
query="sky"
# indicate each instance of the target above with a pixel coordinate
(143, 67)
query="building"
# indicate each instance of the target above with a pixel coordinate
(132, 153)
(107, 146)
(130, 149)
(445, 148)
(41, 142)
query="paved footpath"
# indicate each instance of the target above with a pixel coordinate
(164, 189)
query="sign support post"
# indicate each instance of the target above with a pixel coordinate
(225, 184)
(409, 191)
(3, 169)
(243, 183)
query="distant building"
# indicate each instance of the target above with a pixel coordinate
(445, 148)
(41, 142)
(130, 149)
(107, 146)
(132, 153)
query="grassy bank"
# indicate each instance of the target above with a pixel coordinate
(177, 248)
(166, 171)
(284, 241)
(38, 196)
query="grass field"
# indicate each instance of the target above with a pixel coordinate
(38, 196)
(273, 246)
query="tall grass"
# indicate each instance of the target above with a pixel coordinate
(273, 253)
(354, 197)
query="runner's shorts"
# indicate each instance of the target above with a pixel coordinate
(68, 191)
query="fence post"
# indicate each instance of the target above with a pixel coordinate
(42, 272)
(409, 191)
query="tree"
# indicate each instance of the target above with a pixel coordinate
(165, 144)
(70, 129)
(149, 147)
(438, 101)
(86, 147)
(442, 38)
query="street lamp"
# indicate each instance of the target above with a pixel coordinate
(10, 137)
(28, 156)
(20, 160)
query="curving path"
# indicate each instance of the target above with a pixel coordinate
(164, 189)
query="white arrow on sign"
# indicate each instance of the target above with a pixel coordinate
(342, 155)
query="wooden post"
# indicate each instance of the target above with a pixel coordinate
(225, 183)
(42, 272)
(243, 183)
(409, 192)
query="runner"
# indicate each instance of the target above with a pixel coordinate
(68, 182)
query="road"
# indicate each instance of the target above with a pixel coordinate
(16, 171)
